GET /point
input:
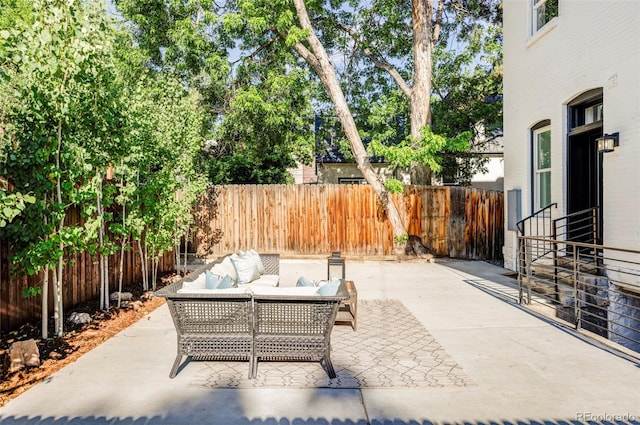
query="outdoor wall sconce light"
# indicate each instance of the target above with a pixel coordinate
(608, 142)
(335, 266)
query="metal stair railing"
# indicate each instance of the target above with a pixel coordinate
(580, 226)
(601, 298)
(549, 244)
(542, 213)
(539, 225)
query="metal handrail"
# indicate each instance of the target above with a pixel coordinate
(589, 223)
(602, 296)
(520, 224)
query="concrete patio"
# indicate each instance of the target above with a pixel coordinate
(524, 369)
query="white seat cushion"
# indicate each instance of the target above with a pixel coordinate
(269, 280)
(212, 291)
(287, 291)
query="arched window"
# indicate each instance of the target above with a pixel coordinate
(541, 167)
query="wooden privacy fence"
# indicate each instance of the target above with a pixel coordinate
(317, 219)
(81, 282)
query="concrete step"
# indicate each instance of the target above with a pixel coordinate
(586, 264)
(547, 288)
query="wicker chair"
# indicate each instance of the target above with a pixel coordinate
(251, 327)
(213, 326)
(210, 327)
(296, 328)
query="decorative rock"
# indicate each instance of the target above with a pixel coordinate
(135, 305)
(149, 295)
(80, 318)
(23, 353)
(124, 296)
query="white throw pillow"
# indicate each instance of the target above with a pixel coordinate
(197, 283)
(246, 269)
(256, 257)
(224, 268)
(211, 280)
(204, 291)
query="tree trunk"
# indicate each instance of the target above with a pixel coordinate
(104, 276)
(319, 61)
(123, 243)
(176, 249)
(45, 289)
(58, 302)
(154, 272)
(143, 267)
(58, 309)
(177, 256)
(420, 105)
(186, 245)
(122, 246)
(45, 303)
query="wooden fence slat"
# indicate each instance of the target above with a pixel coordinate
(80, 282)
(317, 219)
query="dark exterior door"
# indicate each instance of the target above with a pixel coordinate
(584, 186)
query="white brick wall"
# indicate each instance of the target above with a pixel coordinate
(591, 44)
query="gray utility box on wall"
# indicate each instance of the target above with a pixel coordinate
(514, 209)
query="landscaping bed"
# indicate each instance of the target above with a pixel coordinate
(57, 352)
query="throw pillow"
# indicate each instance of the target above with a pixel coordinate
(246, 269)
(211, 280)
(197, 283)
(257, 259)
(329, 289)
(254, 256)
(303, 281)
(224, 268)
(226, 283)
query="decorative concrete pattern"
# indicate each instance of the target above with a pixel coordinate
(391, 349)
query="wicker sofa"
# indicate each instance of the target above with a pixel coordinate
(253, 324)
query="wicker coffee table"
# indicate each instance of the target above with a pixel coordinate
(348, 311)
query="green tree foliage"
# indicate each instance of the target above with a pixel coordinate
(259, 120)
(468, 92)
(266, 130)
(14, 13)
(74, 106)
(168, 180)
(11, 205)
(376, 43)
(60, 118)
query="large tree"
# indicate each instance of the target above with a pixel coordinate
(368, 57)
(357, 48)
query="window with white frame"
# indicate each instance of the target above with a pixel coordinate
(542, 166)
(543, 11)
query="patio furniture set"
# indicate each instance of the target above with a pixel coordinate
(253, 319)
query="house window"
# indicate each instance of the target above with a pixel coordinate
(586, 113)
(542, 167)
(543, 12)
(351, 180)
